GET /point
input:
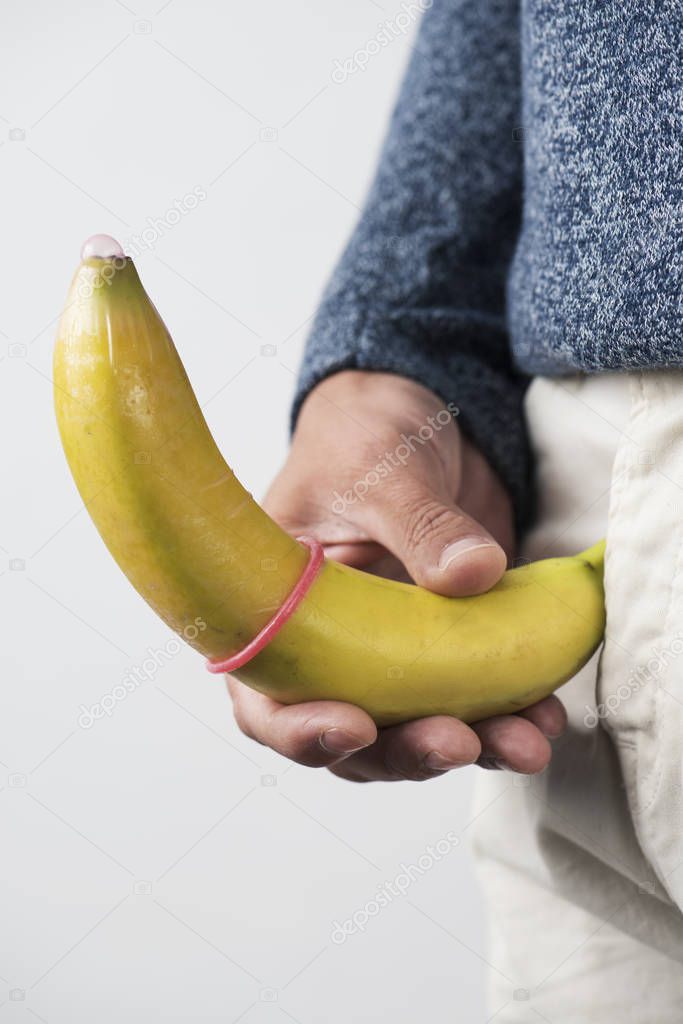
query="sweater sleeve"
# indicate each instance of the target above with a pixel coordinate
(420, 288)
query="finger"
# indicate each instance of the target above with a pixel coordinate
(360, 554)
(443, 548)
(316, 733)
(548, 715)
(514, 743)
(419, 750)
(373, 559)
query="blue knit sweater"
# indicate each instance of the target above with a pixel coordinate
(526, 214)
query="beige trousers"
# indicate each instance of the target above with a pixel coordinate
(582, 866)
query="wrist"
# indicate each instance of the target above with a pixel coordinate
(399, 395)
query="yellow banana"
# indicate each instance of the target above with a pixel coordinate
(199, 549)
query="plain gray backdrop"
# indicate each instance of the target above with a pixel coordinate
(158, 866)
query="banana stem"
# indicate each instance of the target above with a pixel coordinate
(595, 556)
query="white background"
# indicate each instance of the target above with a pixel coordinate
(159, 866)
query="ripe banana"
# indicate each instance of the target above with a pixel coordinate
(199, 549)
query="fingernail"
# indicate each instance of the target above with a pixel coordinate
(461, 547)
(436, 762)
(494, 764)
(336, 741)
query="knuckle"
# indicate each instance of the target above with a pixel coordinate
(426, 520)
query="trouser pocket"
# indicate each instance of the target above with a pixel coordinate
(640, 682)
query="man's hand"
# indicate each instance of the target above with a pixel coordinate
(436, 514)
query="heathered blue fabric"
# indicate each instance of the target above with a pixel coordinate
(526, 216)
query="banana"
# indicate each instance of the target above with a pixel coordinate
(199, 550)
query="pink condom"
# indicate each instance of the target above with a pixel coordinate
(284, 612)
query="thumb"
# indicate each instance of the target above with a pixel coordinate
(443, 548)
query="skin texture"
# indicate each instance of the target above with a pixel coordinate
(445, 494)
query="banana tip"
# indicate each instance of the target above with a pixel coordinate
(101, 247)
(595, 556)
